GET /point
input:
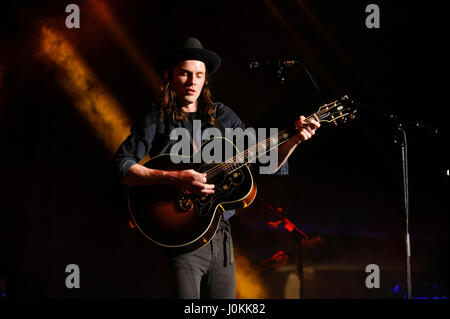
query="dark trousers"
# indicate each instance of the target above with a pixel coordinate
(208, 272)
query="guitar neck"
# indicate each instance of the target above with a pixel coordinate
(263, 147)
(340, 109)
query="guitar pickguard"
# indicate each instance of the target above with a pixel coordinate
(225, 185)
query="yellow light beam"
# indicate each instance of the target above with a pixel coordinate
(89, 95)
(248, 284)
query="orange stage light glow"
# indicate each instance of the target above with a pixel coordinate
(248, 284)
(89, 95)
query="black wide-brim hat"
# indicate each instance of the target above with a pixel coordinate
(188, 48)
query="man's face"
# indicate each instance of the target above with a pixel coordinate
(188, 80)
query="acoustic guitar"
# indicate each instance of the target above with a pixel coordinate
(174, 218)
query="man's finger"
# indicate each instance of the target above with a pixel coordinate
(315, 124)
(306, 134)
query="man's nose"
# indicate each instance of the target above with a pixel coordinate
(190, 80)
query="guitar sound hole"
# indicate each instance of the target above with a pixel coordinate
(185, 204)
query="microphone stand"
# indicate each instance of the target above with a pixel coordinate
(301, 235)
(278, 69)
(401, 138)
(404, 151)
(281, 76)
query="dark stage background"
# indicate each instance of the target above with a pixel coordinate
(60, 203)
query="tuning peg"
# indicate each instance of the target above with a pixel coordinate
(334, 122)
(352, 116)
(343, 119)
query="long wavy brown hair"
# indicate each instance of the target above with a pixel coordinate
(171, 110)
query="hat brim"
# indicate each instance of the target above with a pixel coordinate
(170, 59)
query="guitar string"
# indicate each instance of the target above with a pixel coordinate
(217, 169)
(320, 115)
(243, 155)
(231, 162)
(182, 194)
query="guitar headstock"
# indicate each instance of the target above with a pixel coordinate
(342, 109)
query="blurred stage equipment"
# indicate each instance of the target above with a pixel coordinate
(281, 258)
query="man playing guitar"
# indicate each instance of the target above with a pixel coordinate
(209, 271)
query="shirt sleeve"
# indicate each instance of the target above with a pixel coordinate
(137, 144)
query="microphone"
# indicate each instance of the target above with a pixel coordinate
(271, 64)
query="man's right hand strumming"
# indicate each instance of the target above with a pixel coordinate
(193, 181)
(190, 180)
